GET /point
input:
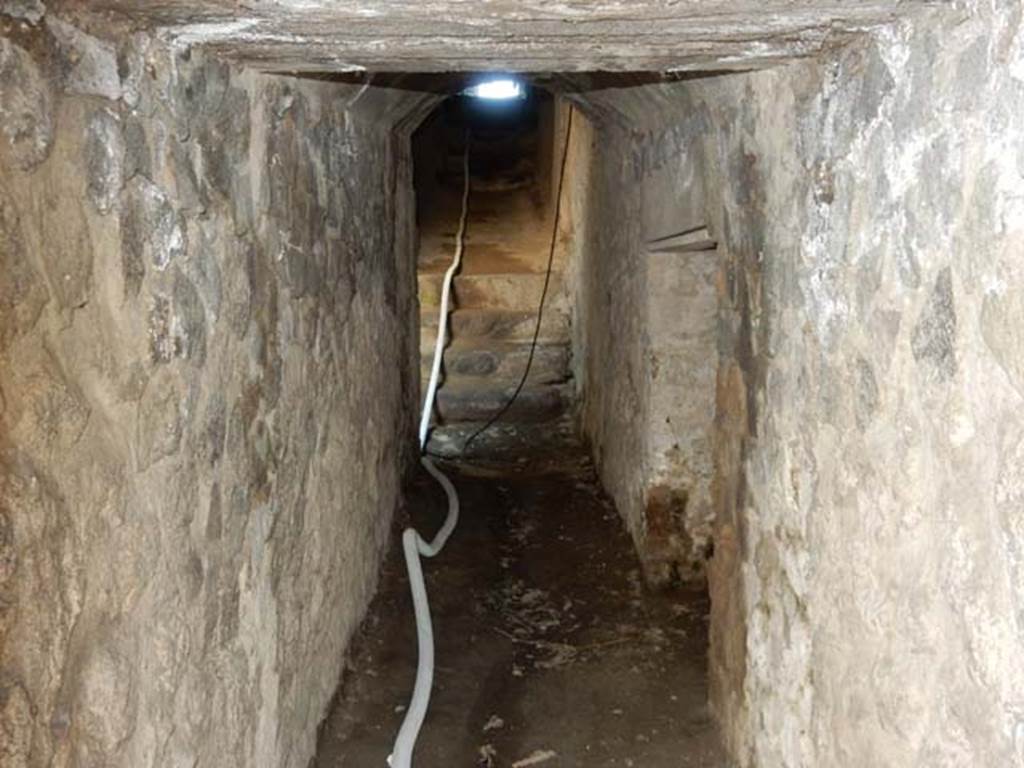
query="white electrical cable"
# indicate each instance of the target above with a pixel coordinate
(412, 544)
(442, 323)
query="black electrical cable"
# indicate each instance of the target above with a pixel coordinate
(543, 294)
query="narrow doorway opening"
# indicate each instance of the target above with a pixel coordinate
(497, 292)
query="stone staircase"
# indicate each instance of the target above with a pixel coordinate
(494, 313)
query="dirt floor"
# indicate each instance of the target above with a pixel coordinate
(550, 652)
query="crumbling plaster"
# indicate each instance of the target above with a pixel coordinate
(208, 373)
(644, 331)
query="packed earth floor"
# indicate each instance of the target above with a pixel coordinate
(550, 651)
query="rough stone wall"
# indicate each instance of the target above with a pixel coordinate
(207, 376)
(644, 328)
(868, 578)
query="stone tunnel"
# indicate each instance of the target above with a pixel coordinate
(732, 389)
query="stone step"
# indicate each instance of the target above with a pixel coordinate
(506, 440)
(485, 256)
(474, 403)
(501, 361)
(517, 290)
(495, 325)
(492, 227)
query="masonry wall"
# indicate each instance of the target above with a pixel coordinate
(867, 579)
(644, 329)
(867, 583)
(207, 377)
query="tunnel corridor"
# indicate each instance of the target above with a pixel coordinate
(732, 395)
(552, 651)
(549, 646)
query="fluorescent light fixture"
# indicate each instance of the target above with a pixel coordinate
(496, 90)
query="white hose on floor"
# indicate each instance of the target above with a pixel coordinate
(412, 544)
